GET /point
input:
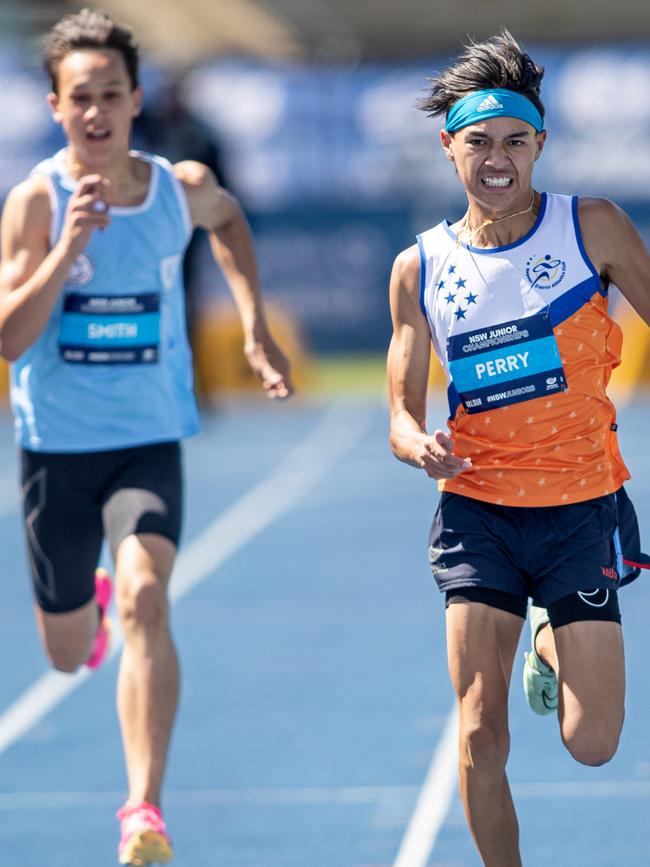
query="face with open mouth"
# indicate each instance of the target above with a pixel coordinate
(96, 105)
(494, 160)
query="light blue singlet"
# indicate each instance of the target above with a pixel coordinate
(113, 368)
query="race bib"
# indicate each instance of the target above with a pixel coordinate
(509, 363)
(110, 329)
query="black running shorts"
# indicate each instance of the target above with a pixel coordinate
(73, 501)
(546, 553)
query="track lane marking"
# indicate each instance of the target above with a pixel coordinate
(338, 430)
(435, 799)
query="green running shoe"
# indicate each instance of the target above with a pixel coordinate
(540, 682)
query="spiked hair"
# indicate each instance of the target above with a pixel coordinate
(497, 62)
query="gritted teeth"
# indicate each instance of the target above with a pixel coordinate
(496, 182)
(98, 133)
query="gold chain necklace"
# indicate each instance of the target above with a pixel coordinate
(465, 226)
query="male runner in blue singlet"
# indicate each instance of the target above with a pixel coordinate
(513, 297)
(92, 319)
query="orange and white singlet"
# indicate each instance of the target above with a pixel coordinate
(525, 339)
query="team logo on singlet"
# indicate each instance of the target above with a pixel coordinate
(545, 272)
(82, 271)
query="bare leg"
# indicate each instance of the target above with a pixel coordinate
(481, 645)
(148, 683)
(589, 661)
(591, 679)
(68, 637)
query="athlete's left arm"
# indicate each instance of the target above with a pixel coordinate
(617, 251)
(213, 208)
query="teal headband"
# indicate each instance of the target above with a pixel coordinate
(495, 102)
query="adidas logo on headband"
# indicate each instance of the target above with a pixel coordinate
(493, 102)
(488, 103)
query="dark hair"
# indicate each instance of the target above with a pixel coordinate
(497, 62)
(89, 29)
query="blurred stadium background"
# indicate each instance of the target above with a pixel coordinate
(306, 110)
(327, 682)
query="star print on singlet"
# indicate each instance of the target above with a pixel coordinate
(459, 282)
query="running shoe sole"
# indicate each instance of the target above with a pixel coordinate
(146, 847)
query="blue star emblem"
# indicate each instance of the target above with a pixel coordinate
(452, 269)
(460, 283)
(460, 313)
(441, 284)
(450, 298)
(471, 299)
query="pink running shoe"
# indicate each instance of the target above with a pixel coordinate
(144, 836)
(103, 593)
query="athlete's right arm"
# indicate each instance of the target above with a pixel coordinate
(408, 376)
(32, 274)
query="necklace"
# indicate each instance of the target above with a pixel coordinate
(465, 226)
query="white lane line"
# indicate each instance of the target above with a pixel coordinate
(434, 801)
(586, 789)
(271, 797)
(400, 796)
(303, 467)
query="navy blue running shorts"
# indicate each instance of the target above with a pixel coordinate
(73, 501)
(545, 553)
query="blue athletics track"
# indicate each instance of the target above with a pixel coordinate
(317, 725)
